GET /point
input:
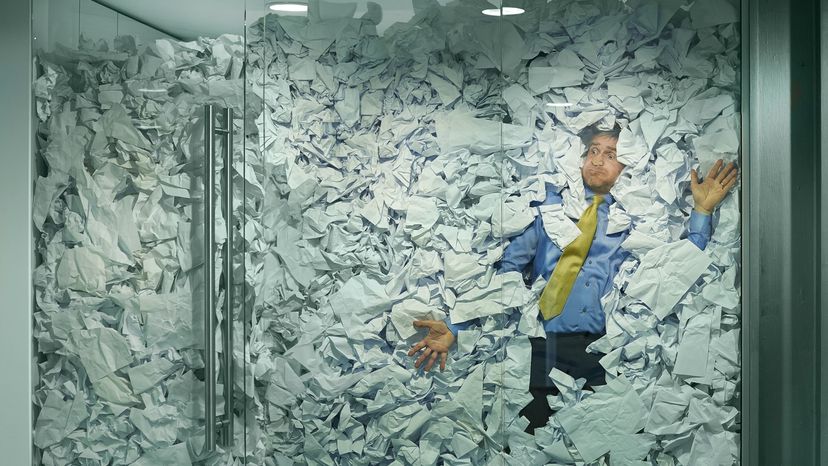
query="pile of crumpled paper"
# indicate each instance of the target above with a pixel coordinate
(379, 181)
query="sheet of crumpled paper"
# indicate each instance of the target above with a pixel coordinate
(380, 181)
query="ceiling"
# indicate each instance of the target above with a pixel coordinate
(189, 19)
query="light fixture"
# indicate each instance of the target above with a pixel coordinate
(504, 11)
(288, 7)
(559, 104)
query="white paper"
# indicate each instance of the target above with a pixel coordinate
(560, 228)
(665, 275)
(377, 182)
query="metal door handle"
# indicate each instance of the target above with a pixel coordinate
(229, 367)
(213, 423)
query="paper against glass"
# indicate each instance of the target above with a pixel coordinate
(380, 178)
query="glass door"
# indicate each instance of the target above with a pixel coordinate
(138, 203)
(631, 171)
(428, 162)
(378, 153)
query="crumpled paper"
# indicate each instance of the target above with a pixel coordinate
(379, 182)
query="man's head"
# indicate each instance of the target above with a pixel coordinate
(601, 167)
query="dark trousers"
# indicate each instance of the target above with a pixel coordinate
(567, 352)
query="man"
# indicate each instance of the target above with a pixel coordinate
(570, 303)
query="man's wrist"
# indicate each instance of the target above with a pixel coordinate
(702, 210)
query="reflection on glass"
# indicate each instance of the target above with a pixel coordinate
(429, 179)
(467, 237)
(119, 206)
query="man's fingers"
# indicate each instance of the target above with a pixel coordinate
(714, 169)
(443, 357)
(423, 356)
(694, 177)
(730, 184)
(725, 172)
(431, 361)
(730, 178)
(423, 323)
(416, 347)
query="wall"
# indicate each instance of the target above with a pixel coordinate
(64, 21)
(15, 233)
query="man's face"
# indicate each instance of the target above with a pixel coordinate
(601, 168)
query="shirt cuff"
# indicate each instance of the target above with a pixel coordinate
(455, 328)
(700, 223)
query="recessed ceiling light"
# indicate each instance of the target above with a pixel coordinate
(289, 7)
(505, 11)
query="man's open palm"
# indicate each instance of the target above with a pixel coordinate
(436, 343)
(710, 192)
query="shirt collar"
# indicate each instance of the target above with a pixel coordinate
(589, 194)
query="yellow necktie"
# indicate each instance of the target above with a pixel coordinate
(554, 295)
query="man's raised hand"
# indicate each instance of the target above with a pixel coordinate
(436, 343)
(710, 192)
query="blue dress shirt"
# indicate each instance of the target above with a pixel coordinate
(582, 311)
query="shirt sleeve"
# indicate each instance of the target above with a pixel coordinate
(518, 254)
(455, 328)
(700, 229)
(521, 249)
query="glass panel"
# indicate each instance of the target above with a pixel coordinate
(392, 163)
(648, 332)
(97, 22)
(250, 241)
(227, 87)
(239, 201)
(55, 23)
(120, 204)
(381, 166)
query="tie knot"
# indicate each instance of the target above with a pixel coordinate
(598, 199)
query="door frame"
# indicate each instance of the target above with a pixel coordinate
(784, 412)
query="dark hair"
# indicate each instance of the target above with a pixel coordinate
(590, 132)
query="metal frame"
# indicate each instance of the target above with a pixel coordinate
(783, 359)
(768, 265)
(747, 409)
(17, 252)
(822, 351)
